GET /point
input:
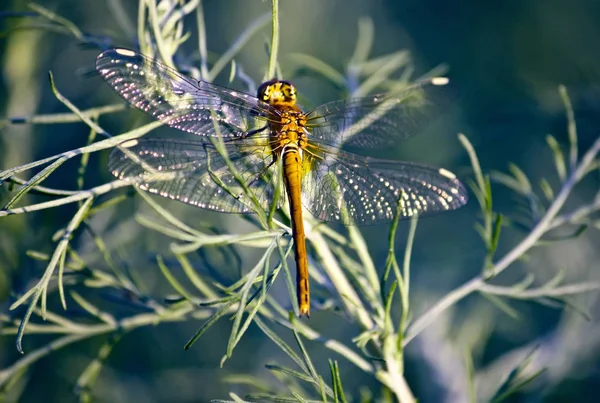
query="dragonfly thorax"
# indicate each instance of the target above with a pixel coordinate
(277, 93)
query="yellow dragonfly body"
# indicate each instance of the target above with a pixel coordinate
(288, 140)
(313, 148)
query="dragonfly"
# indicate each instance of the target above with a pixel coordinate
(320, 154)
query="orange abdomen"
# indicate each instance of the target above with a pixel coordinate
(292, 173)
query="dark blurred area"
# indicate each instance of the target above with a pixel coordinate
(506, 60)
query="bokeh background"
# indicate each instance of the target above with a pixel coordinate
(506, 60)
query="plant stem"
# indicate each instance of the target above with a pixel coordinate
(274, 40)
(527, 243)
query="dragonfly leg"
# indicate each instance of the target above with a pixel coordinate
(261, 173)
(255, 131)
(255, 179)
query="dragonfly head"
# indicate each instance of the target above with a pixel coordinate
(277, 92)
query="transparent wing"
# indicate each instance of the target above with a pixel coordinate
(193, 162)
(354, 190)
(378, 121)
(179, 101)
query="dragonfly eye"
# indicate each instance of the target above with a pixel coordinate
(276, 92)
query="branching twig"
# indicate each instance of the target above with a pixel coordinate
(543, 226)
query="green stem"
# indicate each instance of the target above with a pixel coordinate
(202, 41)
(274, 40)
(519, 250)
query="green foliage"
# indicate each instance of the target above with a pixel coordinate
(517, 380)
(384, 324)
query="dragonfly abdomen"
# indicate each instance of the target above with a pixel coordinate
(292, 173)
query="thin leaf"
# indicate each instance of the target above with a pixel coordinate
(318, 66)
(521, 178)
(364, 42)
(559, 158)
(281, 344)
(513, 382)
(290, 372)
(39, 290)
(88, 377)
(236, 330)
(93, 310)
(179, 288)
(470, 374)
(336, 382)
(571, 126)
(474, 160)
(503, 306)
(209, 322)
(507, 180)
(34, 181)
(546, 190)
(238, 44)
(194, 278)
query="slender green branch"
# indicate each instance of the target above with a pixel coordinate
(42, 189)
(145, 319)
(81, 195)
(577, 216)
(75, 31)
(42, 286)
(527, 243)
(202, 41)
(543, 225)
(141, 26)
(542, 292)
(53, 118)
(274, 39)
(405, 285)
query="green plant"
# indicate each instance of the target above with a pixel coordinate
(384, 322)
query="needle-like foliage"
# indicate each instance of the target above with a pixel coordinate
(375, 300)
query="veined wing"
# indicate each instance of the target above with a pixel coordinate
(193, 163)
(376, 121)
(179, 101)
(350, 189)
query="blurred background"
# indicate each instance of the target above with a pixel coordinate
(505, 60)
